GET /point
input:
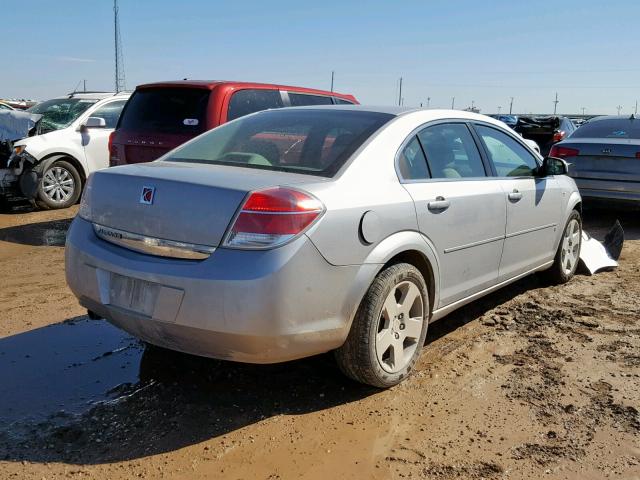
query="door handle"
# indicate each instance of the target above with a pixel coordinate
(515, 195)
(439, 204)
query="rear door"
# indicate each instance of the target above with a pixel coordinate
(533, 203)
(459, 208)
(95, 140)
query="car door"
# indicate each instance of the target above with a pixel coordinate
(533, 202)
(95, 141)
(459, 208)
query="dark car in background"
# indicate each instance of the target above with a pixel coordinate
(604, 158)
(544, 130)
(161, 116)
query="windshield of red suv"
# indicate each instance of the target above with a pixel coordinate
(60, 112)
(166, 110)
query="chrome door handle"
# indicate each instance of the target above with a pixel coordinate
(438, 204)
(515, 195)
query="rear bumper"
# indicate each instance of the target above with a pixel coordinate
(624, 192)
(250, 306)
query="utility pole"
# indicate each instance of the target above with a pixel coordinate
(555, 104)
(85, 85)
(636, 108)
(453, 103)
(120, 80)
(332, 74)
(499, 108)
(400, 93)
(511, 106)
(429, 102)
(619, 107)
(473, 105)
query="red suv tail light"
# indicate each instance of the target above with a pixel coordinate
(559, 136)
(563, 152)
(113, 156)
(272, 217)
(637, 154)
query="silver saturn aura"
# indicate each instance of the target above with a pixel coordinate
(292, 232)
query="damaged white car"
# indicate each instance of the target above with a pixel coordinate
(66, 143)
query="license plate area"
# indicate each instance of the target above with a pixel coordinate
(133, 294)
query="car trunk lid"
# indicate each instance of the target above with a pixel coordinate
(604, 159)
(189, 203)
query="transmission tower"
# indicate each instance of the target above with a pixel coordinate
(120, 79)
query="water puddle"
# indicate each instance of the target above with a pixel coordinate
(64, 369)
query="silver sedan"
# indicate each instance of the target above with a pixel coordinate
(293, 232)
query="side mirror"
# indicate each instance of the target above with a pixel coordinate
(553, 166)
(94, 122)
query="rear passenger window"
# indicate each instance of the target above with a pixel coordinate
(451, 151)
(244, 102)
(412, 164)
(341, 101)
(302, 99)
(508, 156)
(110, 112)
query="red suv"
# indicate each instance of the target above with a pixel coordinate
(161, 116)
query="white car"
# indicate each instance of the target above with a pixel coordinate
(71, 142)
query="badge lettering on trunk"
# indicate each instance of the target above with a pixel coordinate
(146, 197)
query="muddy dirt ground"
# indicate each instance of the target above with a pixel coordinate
(533, 381)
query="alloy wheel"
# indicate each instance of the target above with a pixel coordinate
(58, 184)
(400, 325)
(570, 246)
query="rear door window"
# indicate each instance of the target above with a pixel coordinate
(166, 110)
(302, 99)
(451, 151)
(244, 102)
(411, 163)
(110, 112)
(341, 101)
(509, 157)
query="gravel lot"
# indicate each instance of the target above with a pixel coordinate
(531, 382)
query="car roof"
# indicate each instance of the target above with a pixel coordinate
(613, 117)
(430, 114)
(211, 84)
(94, 95)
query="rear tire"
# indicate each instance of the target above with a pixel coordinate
(389, 328)
(568, 254)
(59, 187)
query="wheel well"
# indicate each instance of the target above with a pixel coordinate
(419, 261)
(578, 207)
(68, 158)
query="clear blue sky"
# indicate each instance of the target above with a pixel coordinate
(482, 51)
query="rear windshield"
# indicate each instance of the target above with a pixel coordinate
(613, 128)
(166, 110)
(315, 142)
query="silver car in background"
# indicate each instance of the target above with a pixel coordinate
(604, 159)
(293, 232)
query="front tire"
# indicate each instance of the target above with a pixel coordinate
(59, 187)
(568, 254)
(389, 328)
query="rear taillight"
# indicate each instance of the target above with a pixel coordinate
(113, 156)
(559, 151)
(638, 155)
(272, 217)
(558, 136)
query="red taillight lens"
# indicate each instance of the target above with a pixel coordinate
(558, 136)
(113, 156)
(563, 152)
(272, 217)
(638, 155)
